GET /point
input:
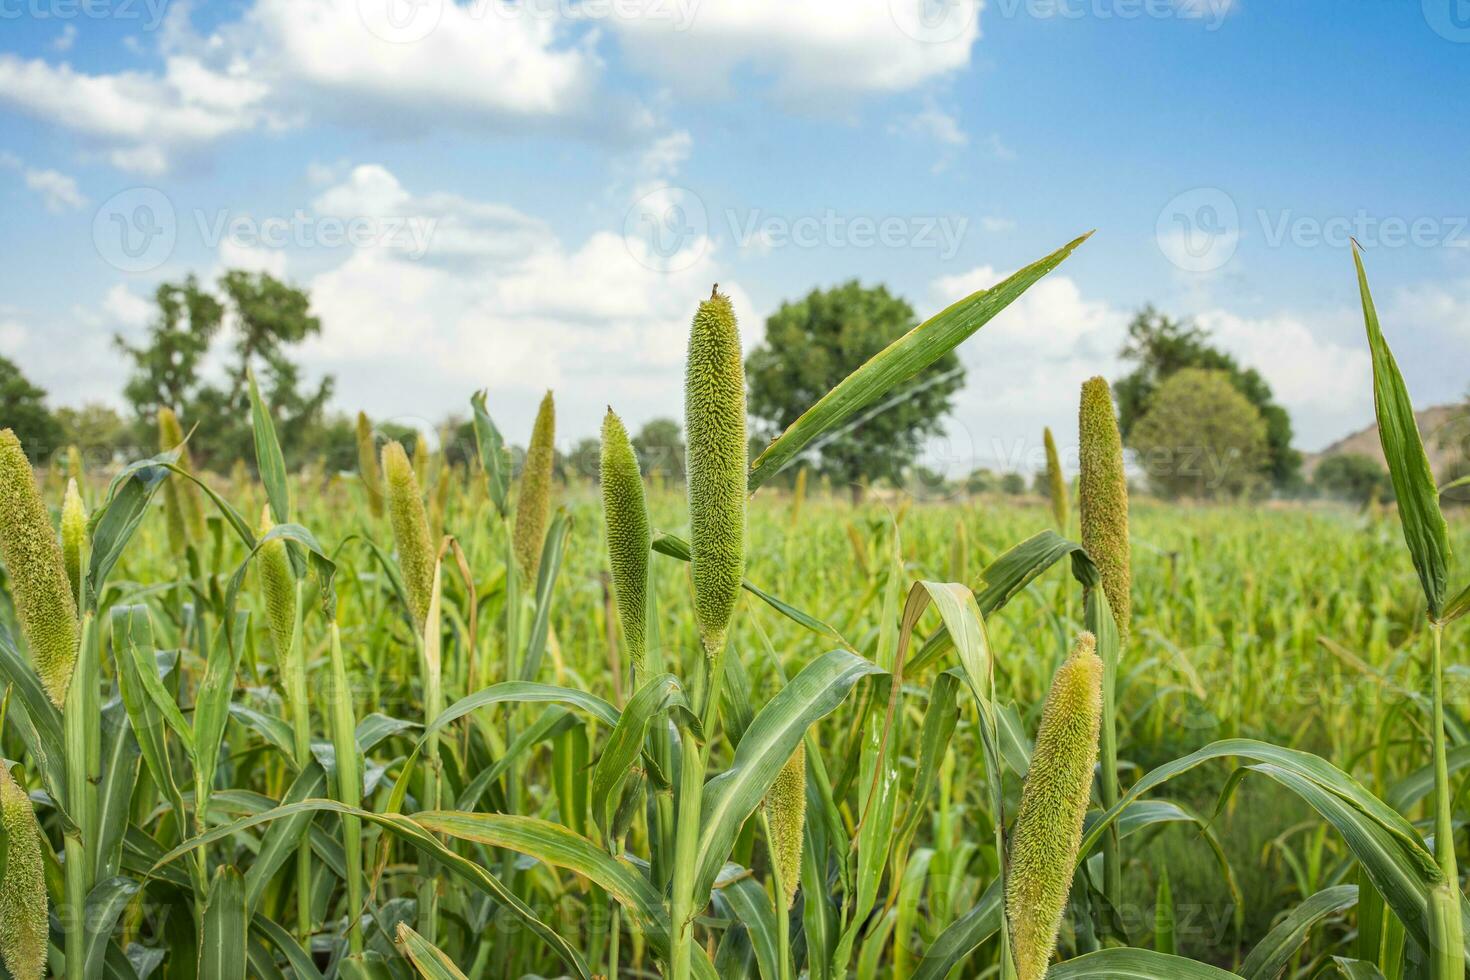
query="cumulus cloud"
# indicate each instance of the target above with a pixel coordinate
(807, 53)
(286, 61)
(58, 192)
(499, 300)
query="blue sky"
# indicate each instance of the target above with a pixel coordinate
(532, 195)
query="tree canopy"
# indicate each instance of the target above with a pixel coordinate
(1200, 437)
(812, 343)
(268, 317)
(1162, 346)
(23, 409)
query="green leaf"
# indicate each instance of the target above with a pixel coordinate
(428, 959)
(732, 796)
(660, 694)
(1408, 466)
(268, 459)
(104, 904)
(1271, 954)
(284, 836)
(493, 458)
(113, 524)
(962, 936)
(751, 904)
(299, 959)
(115, 792)
(1135, 964)
(899, 362)
(1390, 851)
(417, 837)
(222, 952)
(551, 553)
(33, 715)
(1356, 969)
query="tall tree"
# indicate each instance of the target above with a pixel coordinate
(267, 317)
(1162, 346)
(23, 409)
(812, 344)
(1201, 437)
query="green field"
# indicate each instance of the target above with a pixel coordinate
(448, 732)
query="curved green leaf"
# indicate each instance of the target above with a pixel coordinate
(1135, 964)
(732, 796)
(1271, 954)
(899, 362)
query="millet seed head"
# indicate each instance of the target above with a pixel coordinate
(1103, 498)
(410, 530)
(73, 536)
(625, 515)
(23, 925)
(44, 603)
(716, 465)
(533, 504)
(1056, 481)
(367, 466)
(786, 816)
(1048, 829)
(278, 584)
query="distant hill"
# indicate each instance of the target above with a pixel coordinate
(1436, 426)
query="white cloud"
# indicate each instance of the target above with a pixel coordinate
(997, 225)
(58, 191)
(141, 118)
(13, 337)
(1025, 367)
(501, 301)
(65, 39)
(807, 52)
(1327, 387)
(126, 309)
(285, 61)
(940, 126)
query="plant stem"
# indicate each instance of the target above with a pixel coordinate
(349, 788)
(82, 734)
(686, 843)
(1446, 929)
(301, 730)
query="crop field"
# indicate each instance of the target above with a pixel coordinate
(454, 720)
